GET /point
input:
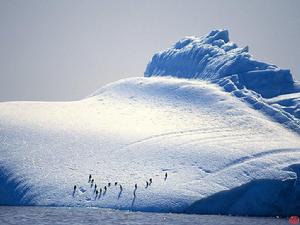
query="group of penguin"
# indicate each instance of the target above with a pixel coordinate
(103, 192)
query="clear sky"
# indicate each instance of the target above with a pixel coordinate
(66, 49)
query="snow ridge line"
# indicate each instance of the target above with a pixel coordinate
(173, 135)
(233, 85)
(256, 156)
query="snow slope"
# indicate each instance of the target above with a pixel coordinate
(216, 138)
(215, 58)
(135, 129)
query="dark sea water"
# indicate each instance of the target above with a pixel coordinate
(52, 215)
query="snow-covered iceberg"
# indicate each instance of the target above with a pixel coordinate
(221, 154)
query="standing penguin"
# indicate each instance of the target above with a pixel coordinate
(104, 192)
(96, 194)
(92, 182)
(150, 181)
(135, 188)
(74, 190)
(95, 188)
(90, 177)
(120, 192)
(100, 192)
(109, 184)
(147, 184)
(166, 175)
(116, 183)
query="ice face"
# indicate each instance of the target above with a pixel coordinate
(213, 57)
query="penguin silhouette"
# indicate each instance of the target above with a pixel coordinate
(100, 192)
(104, 192)
(134, 192)
(74, 190)
(120, 192)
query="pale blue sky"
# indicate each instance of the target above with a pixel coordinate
(65, 50)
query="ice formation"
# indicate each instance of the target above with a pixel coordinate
(213, 57)
(215, 136)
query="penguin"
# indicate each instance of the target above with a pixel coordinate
(150, 181)
(95, 189)
(116, 183)
(92, 182)
(90, 177)
(147, 184)
(104, 192)
(74, 190)
(120, 192)
(135, 187)
(96, 194)
(108, 184)
(166, 175)
(100, 192)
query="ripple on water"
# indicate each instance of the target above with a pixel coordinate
(66, 216)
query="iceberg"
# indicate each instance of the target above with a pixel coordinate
(228, 147)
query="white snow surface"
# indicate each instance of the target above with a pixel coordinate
(221, 155)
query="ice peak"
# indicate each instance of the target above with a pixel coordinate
(215, 37)
(213, 57)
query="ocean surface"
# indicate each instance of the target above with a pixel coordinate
(53, 215)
